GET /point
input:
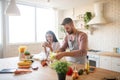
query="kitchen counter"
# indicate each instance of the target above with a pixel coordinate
(112, 54)
(46, 73)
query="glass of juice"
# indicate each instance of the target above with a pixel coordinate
(21, 50)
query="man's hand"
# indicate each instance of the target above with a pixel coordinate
(57, 51)
(59, 55)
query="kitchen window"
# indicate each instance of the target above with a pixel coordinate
(22, 28)
(45, 21)
(32, 25)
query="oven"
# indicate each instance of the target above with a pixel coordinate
(94, 58)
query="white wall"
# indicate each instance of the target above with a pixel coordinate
(105, 37)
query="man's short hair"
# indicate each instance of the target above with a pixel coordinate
(66, 21)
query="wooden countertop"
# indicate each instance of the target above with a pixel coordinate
(111, 54)
(46, 73)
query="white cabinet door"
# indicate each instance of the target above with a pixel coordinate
(105, 62)
(116, 64)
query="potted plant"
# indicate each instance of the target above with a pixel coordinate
(87, 18)
(61, 68)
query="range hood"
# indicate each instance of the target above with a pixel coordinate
(99, 17)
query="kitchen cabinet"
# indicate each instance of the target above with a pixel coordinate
(115, 64)
(110, 63)
(105, 62)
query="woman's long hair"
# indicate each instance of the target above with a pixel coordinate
(54, 37)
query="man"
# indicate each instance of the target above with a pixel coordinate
(76, 41)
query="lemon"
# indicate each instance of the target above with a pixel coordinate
(52, 55)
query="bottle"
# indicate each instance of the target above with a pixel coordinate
(75, 74)
(87, 66)
(22, 49)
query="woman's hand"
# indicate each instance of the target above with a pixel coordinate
(45, 44)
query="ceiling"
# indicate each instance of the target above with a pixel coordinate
(59, 4)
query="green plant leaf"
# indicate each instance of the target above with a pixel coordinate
(60, 66)
(87, 18)
(27, 53)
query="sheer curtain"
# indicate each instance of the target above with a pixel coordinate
(1, 50)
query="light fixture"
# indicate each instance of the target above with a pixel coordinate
(12, 9)
(99, 17)
(74, 17)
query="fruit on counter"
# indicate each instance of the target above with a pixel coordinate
(24, 64)
(44, 63)
(70, 71)
(75, 75)
(29, 61)
(80, 72)
(52, 55)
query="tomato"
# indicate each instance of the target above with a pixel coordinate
(70, 71)
(44, 63)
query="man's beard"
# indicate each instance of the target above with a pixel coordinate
(70, 32)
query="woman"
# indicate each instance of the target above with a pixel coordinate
(51, 43)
